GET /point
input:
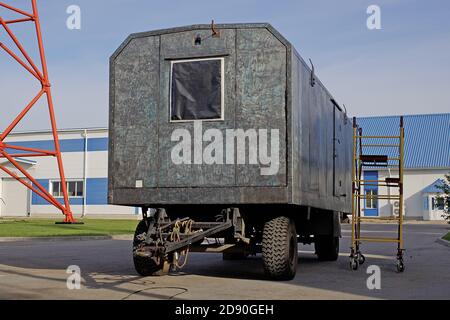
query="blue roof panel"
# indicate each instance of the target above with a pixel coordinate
(427, 138)
(434, 187)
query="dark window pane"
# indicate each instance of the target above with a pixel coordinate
(56, 188)
(79, 189)
(71, 186)
(439, 204)
(196, 90)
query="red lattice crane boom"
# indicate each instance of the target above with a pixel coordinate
(41, 74)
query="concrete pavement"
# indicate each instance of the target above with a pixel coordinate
(37, 270)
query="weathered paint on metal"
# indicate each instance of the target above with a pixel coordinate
(180, 46)
(261, 96)
(134, 110)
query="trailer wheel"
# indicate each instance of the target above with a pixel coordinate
(327, 248)
(280, 248)
(145, 266)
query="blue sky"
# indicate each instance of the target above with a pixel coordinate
(404, 68)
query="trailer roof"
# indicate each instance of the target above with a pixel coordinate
(158, 32)
(264, 25)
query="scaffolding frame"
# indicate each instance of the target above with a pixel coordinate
(360, 160)
(11, 152)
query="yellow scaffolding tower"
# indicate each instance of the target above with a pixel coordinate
(362, 157)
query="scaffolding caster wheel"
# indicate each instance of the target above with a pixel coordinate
(400, 266)
(361, 258)
(354, 263)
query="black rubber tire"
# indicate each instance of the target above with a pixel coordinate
(354, 264)
(327, 248)
(362, 259)
(400, 266)
(280, 248)
(234, 256)
(145, 266)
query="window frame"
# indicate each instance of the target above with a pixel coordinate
(222, 89)
(435, 206)
(372, 199)
(51, 182)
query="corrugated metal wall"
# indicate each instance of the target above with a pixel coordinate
(427, 138)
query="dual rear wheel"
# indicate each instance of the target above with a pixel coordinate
(327, 247)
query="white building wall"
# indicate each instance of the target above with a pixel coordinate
(415, 180)
(46, 168)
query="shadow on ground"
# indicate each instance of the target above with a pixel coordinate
(107, 264)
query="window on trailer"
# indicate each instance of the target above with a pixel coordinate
(197, 90)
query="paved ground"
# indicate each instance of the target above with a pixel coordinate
(36, 270)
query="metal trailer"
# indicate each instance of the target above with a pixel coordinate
(202, 82)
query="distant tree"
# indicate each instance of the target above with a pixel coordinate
(444, 196)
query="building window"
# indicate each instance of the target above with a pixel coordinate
(74, 188)
(371, 199)
(438, 203)
(197, 90)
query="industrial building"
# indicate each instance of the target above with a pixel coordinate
(85, 155)
(427, 160)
